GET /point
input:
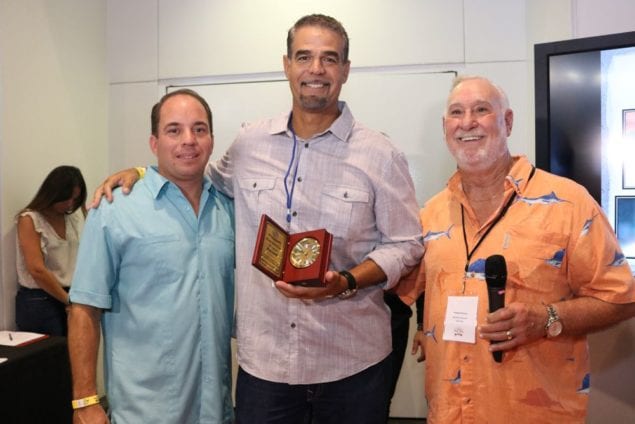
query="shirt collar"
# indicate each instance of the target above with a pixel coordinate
(341, 128)
(518, 177)
(158, 184)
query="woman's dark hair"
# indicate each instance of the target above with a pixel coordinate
(57, 187)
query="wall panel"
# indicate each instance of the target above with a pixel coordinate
(199, 37)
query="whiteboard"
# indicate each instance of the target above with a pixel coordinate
(405, 106)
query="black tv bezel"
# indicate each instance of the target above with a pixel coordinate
(542, 54)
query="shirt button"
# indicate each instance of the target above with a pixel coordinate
(306, 145)
(299, 179)
(255, 184)
(294, 213)
(466, 358)
(293, 325)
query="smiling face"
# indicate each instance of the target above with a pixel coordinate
(183, 143)
(476, 125)
(316, 69)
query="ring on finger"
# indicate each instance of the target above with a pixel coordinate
(509, 335)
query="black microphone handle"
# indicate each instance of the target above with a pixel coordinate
(498, 356)
(496, 279)
(496, 302)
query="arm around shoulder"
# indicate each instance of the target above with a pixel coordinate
(125, 179)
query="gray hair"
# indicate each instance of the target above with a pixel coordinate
(504, 101)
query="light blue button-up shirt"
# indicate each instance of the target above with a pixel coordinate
(164, 278)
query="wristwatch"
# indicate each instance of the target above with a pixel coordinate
(351, 290)
(554, 324)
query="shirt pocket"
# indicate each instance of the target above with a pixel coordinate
(338, 207)
(537, 264)
(151, 256)
(259, 197)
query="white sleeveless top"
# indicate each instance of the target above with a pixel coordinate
(59, 254)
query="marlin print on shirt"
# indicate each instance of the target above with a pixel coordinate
(476, 270)
(556, 259)
(430, 333)
(457, 379)
(585, 387)
(434, 235)
(587, 225)
(619, 259)
(516, 183)
(546, 199)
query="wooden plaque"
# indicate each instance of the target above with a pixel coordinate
(301, 258)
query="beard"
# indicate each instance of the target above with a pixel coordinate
(313, 102)
(475, 160)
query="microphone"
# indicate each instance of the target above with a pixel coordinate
(496, 277)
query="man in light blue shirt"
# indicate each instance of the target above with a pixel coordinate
(157, 268)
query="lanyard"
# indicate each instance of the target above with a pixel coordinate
(288, 192)
(469, 253)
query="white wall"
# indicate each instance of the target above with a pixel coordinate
(53, 105)
(78, 78)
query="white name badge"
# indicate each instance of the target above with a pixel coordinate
(460, 319)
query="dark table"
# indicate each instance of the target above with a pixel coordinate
(35, 383)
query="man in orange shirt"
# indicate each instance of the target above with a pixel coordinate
(566, 277)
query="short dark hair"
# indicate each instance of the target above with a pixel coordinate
(58, 186)
(323, 21)
(156, 109)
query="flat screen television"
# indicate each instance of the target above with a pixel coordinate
(568, 96)
(585, 120)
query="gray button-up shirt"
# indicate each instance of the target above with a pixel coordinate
(350, 180)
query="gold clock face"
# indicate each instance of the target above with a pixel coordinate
(305, 252)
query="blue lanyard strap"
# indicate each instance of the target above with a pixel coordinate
(286, 177)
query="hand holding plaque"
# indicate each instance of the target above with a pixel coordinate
(301, 258)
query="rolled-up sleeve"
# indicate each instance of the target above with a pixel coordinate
(95, 271)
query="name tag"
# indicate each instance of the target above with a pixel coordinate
(460, 319)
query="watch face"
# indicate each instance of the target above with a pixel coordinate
(554, 329)
(305, 252)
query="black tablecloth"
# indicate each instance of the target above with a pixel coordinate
(35, 383)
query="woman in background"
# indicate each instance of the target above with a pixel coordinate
(49, 228)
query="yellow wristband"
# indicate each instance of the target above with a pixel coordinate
(141, 171)
(84, 402)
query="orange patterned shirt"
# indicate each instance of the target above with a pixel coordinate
(558, 245)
